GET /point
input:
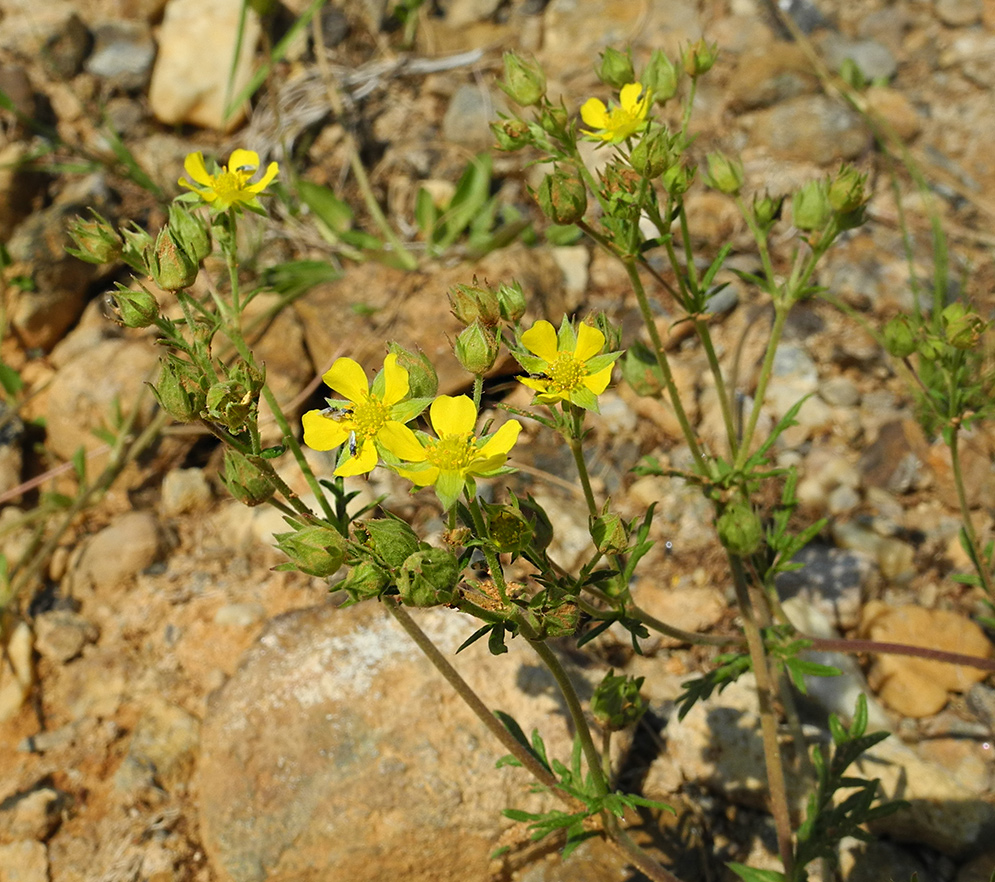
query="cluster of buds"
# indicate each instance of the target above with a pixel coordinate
(482, 309)
(616, 703)
(234, 400)
(313, 548)
(957, 328)
(837, 202)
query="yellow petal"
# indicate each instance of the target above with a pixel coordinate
(420, 477)
(540, 339)
(395, 381)
(598, 382)
(629, 96)
(502, 440)
(401, 441)
(589, 342)
(243, 160)
(322, 433)
(594, 113)
(453, 415)
(348, 379)
(364, 461)
(194, 166)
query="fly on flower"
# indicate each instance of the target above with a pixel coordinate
(358, 423)
(230, 187)
(567, 365)
(616, 124)
(451, 460)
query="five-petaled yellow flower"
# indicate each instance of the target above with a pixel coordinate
(451, 460)
(566, 366)
(361, 420)
(618, 123)
(230, 187)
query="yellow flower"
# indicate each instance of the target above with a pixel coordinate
(230, 187)
(618, 123)
(451, 460)
(360, 421)
(566, 366)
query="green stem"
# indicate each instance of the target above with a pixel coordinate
(725, 401)
(585, 480)
(981, 564)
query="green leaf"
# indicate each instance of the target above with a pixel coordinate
(426, 214)
(10, 380)
(333, 212)
(295, 277)
(748, 874)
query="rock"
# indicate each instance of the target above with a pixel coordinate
(574, 262)
(65, 51)
(695, 608)
(959, 13)
(468, 118)
(895, 109)
(833, 580)
(240, 615)
(32, 815)
(184, 490)
(11, 454)
(120, 551)
(968, 52)
(61, 634)
(21, 188)
(917, 687)
(812, 128)
(76, 405)
(875, 61)
(464, 12)
(878, 860)
(17, 672)
(122, 54)
(24, 861)
(895, 557)
(840, 392)
(767, 75)
(190, 85)
(894, 460)
(162, 750)
(337, 752)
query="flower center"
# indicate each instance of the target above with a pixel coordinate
(228, 183)
(566, 373)
(452, 453)
(369, 416)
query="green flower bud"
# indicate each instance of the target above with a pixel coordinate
(561, 621)
(677, 179)
(391, 539)
(562, 197)
(247, 482)
(724, 174)
(609, 534)
(810, 208)
(616, 69)
(660, 77)
(170, 266)
(900, 337)
(365, 581)
(555, 120)
(477, 349)
(315, 549)
(654, 154)
(699, 57)
(423, 381)
(962, 329)
(511, 134)
(180, 390)
(230, 403)
(428, 578)
(847, 190)
(766, 211)
(616, 703)
(620, 187)
(189, 232)
(136, 309)
(511, 302)
(524, 81)
(508, 528)
(137, 243)
(470, 303)
(96, 240)
(739, 528)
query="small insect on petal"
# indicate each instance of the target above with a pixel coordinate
(338, 412)
(353, 446)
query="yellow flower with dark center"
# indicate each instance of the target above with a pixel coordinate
(615, 124)
(457, 455)
(230, 187)
(358, 423)
(566, 366)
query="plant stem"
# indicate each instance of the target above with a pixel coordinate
(585, 480)
(980, 563)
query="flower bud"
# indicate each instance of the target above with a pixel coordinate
(423, 381)
(230, 403)
(660, 77)
(846, 190)
(524, 82)
(511, 134)
(428, 578)
(739, 528)
(962, 329)
(391, 539)
(189, 232)
(561, 621)
(477, 349)
(137, 243)
(170, 266)
(724, 174)
(653, 155)
(699, 57)
(766, 210)
(136, 309)
(364, 581)
(555, 120)
(180, 391)
(810, 208)
(677, 179)
(470, 303)
(609, 534)
(96, 240)
(508, 528)
(616, 703)
(315, 549)
(562, 197)
(511, 302)
(616, 69)
(247, 482)
(900, 338)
